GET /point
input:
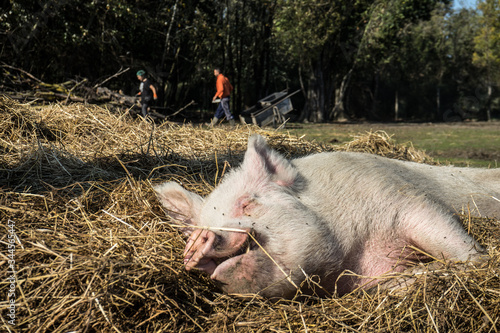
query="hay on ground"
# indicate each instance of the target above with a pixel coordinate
(381, 143)
(95, 253)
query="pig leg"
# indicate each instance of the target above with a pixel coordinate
(400, 282)
(439, 233)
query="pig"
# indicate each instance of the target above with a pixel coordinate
(327, 223)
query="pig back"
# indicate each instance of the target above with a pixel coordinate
(364, 184)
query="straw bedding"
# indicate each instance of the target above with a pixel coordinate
(95, 252)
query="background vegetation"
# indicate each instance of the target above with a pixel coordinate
(374, 60)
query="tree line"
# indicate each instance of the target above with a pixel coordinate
(375, 60)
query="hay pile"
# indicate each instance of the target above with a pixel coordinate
(95, 253)
(381, 143)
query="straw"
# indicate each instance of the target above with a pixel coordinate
(94, 254)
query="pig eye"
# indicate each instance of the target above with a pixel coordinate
(245, 205)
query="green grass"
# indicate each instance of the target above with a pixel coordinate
(463, 144)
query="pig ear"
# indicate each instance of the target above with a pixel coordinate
(261, 161)
(181, 204)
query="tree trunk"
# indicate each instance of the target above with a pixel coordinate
(339, 112)
(396, 106)
(375, 94)
(166, 47)
(316, 95)
(304, 114)
(438, 101)
(314, 108)
(313, 100)
(488, 109)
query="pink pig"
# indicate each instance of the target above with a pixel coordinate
(273, 223)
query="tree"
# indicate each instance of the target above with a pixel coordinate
(403, 45)
(247, 50)
(320, 37)
(363, 59)
(461, 77)
(487, 46)
(331, 39)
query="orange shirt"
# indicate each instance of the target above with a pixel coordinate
(224, 87)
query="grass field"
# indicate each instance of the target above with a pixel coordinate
(463, 144)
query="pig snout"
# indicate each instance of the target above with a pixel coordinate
(205, 248)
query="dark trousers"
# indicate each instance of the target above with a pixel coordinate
(145, 104)
(223, 109)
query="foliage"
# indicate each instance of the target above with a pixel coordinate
(351, 59)
(487, 47)
(487, 42)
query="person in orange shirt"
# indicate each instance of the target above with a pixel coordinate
(224, 89)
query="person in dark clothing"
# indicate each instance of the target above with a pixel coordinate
(147, 92)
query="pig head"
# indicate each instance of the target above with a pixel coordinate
(274, 223)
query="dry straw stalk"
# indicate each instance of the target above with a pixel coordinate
(95, 252)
